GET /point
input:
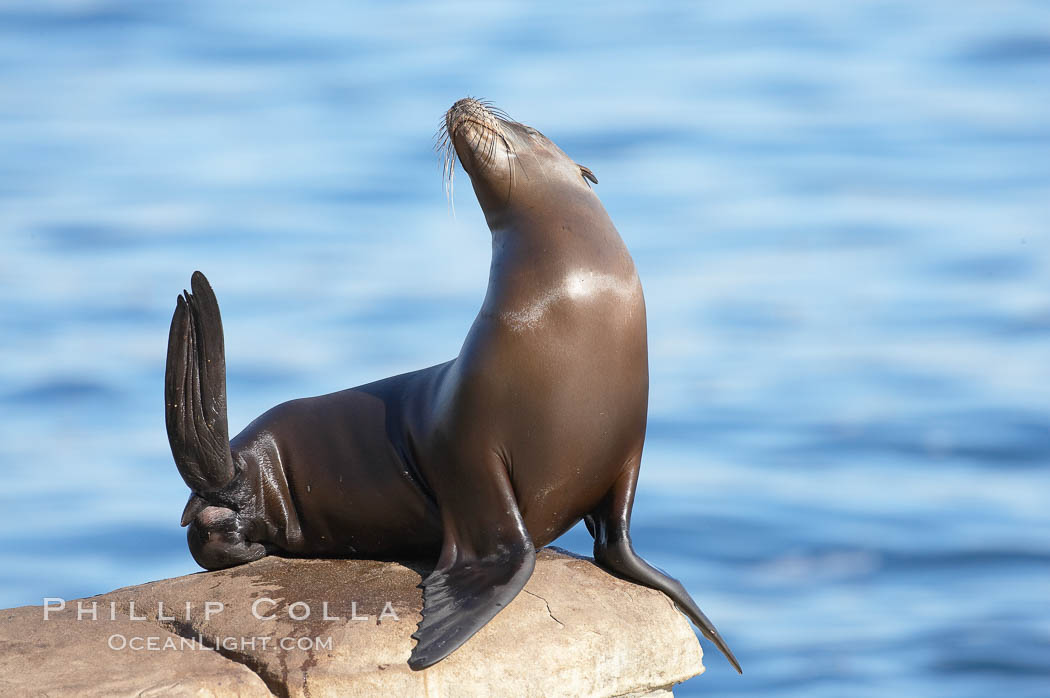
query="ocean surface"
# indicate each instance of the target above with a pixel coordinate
(840, 213)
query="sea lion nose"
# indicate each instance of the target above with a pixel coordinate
(465, 109)
(467, 103)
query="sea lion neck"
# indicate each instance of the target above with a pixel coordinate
(536, 249)
(551, 218)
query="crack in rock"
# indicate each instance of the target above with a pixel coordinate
(274, 683)
(547, 605)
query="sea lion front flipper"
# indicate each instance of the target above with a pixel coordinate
(610, 525)
(460, 600)
(486, 559)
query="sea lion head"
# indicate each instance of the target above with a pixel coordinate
(510, 164)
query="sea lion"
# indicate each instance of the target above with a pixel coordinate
(537, 424)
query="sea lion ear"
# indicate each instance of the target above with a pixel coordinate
(587, 174)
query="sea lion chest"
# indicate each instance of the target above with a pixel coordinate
(570, 368)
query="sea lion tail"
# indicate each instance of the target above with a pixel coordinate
(195, 391)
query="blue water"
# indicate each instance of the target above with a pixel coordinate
(840, 213)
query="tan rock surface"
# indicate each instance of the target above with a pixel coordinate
(574, 630)
(67, 657)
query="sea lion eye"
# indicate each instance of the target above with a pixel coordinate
(587, 174)
(531, 131)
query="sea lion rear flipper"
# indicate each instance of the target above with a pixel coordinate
(486, 560)
(610, 526)
(193, 507)
(195, 390)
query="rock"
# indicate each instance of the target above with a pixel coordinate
(67, 657)
(342, 628)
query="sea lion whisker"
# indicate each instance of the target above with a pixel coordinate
(494, 110)
(513, 156)
(450, 168)
(446, 149)
(490, 151)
